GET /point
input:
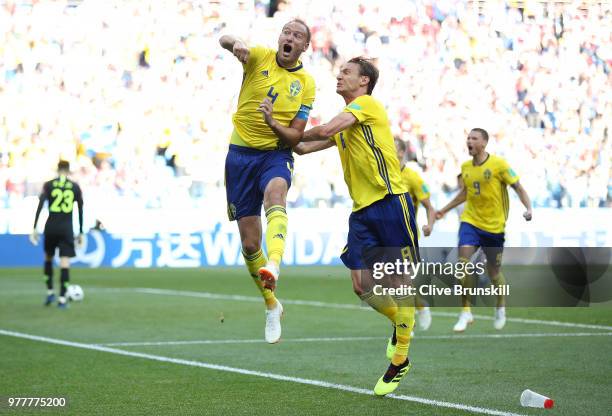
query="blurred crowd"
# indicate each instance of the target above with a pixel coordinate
(138, 96)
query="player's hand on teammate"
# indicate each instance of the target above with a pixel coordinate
(34, 237)
(266, 108)
(241, 51)
(426, 230)
(527, 215)
(439, 215)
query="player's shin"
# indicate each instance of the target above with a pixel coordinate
(404, 323)
(254, 262)
(499, 281)
(468, 281)
(383, 304)
(64, 279)
(48, 270)
(276, 232)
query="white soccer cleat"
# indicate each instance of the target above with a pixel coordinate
(500, 318)
(424, 318)
(269, 275)
(273, 325)
(465, 318)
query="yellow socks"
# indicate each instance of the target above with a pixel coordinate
(383, 304)
(254, 262)
(276, 232)
(499, 280)
(467, 281)
(404, 323)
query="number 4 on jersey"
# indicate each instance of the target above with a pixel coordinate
(271, 94)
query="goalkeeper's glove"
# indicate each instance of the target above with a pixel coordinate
(34, 237)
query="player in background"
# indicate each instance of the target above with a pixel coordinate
(61, 193)
(419, 192)
(275, 99)
(383, 216)
(485, 179)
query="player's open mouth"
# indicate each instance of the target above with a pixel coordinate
(287, 49)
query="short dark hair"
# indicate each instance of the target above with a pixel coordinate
(484, 133)
(303, 23)
(63, 165)
(367, 68)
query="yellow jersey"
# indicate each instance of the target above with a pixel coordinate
(487, 203)
(290, 89)
(417, 188)
(367, 152)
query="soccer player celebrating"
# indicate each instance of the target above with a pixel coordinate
(483, 221)
(383, 216)
(273, 107)
(61, 194)
(419, 193)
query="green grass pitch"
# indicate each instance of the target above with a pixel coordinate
(328, 340)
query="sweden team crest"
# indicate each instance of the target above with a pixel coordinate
(295, 88)
(487, 174)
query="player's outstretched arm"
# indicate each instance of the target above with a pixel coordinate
(525, 200)
(237, 47)
(457, 200)
(431, 217)
(337, 124)
(311, 147)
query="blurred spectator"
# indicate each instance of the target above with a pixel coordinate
(138, 95)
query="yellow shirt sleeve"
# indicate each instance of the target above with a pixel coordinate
(309, 93)
(256, 54)
(506, 173)
(362, 108)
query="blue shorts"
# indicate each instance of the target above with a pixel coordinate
(384, 231)
(247, 173)
(492, 244)
(474, 236)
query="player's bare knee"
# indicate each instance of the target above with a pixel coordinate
(250, 246)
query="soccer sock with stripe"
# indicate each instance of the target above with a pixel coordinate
(48, 270)
(499, 281)
(467, 281)
(276, 232)
(254, 262)
(404, 323)
(383, 304)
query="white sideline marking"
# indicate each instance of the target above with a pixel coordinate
(317, 383)
(344, 339)
(242, 298)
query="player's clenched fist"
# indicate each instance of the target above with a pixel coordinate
(241, 51)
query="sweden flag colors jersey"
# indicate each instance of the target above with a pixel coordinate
(290, 90)
(416, 187)
(487, 203)
(368, 156)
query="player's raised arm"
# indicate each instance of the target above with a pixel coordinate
(459, 199)
(236, 47)
(525, 200)
(337, 124)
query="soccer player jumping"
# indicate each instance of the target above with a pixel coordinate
(483, 221)
(275, 99)
(383, 216)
